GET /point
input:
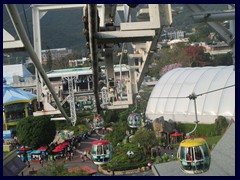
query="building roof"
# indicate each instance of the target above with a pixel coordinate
(12, 165)
(169, 97)
(15, 70)
(13, 95)
(10, 43)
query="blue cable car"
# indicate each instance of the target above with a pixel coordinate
(101, 152)
(134, 120)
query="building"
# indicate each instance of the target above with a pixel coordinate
(17, 75)
(56, 53)
(214, 87)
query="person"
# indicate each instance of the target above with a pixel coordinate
(85, 155)
(189, 154)
(28, 162)
(41, 160)
(107, 150)
(81, 157)
(99, 150)
(43, 101)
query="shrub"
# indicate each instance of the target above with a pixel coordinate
(221, 125)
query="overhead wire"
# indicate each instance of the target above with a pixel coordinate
(193, 96)
(25, 17)
(181, 97)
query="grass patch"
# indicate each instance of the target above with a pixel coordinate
(202, 129)
(212, 141)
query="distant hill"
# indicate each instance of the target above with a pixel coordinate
(64, 28)
(59, 29)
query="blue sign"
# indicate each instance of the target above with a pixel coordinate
(7, 134)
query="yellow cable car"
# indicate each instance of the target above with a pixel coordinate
(194, 155)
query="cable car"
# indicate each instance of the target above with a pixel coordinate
(134, 120)
(194, 155)
(101, 152)
(98, 122)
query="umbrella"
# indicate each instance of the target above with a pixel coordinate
(176, 134)
(57, 150)
(204, 137)
(65, 143)
(23, 149)
(42, 148)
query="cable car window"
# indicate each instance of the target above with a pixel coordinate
(205, 150)
(198, 153)
(94, 150)
(189, 154)
(99, 149)
(138, 119)
(182, 153)
(105, 149)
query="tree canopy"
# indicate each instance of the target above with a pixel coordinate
(144, 137)
(36, 131)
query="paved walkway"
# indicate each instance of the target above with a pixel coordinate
(76, 161)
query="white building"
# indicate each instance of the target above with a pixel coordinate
(169, 97)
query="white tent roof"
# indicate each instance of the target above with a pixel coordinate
(15, 70)
(169, 96)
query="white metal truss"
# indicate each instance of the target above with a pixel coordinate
(70, 98)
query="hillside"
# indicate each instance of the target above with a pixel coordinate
(59, 29)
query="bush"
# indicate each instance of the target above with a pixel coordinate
(36, 131)
(221, 125)
(121, 161)
(165, 157)
(158, 160)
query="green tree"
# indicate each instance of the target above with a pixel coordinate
(123, 161)
(221, 125)
(54, 169)
(194, 56)
(201, 33)
(222, 60)
(36, 131)
(119, 132)
(144, 137)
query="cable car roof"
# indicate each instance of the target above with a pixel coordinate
(192, 142)
(100, 142)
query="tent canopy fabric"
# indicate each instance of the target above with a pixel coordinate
(169, 97)
(15, 69)
(13, 95)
